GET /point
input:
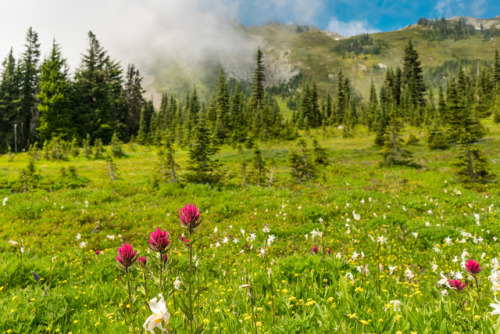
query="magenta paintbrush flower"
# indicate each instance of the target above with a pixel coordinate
(456, 284)
(190, 217)
(142, 261)
(472, 267)
(159, 240)
(315, 249)
(126, 256)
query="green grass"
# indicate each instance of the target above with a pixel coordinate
(81, 292)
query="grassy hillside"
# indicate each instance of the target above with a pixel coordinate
(311, 51)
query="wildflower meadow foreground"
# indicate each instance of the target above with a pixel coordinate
(365, 252)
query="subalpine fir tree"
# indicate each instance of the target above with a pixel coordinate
(98, 148)
(116, 146)
(371, 112)
(75, 150)
(393, 152)
(319, 154)
(496, 69)
(258, 83)
(29, 78)
(302, 163)
(87, 150)
(167, 165)
(9, 103)
(260, 171)
(382, 119)
(472, 165)
(223, 127)
(437, 138)
(412, 76)
(201, 167)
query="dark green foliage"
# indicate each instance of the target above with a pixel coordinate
(87, 150)
(441, 29)
(437, 138)
(98, 149)
(167, 165)
(363, 44)
(29, 75)
(412, 77)
(201, 168)
(69, 179)
(393, 151)
(257, 97)
(128, 126)
(29, 178)
(75, 150)
(116, 146)
(259, 173)
(472, 165)
(223, 126)
(319, 154)
(54, 98)
(9, 103)
(302, 163)
(93, 92)
(112, 171)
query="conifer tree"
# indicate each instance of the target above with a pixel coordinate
(223, 127)
(167, 166)
(54, 101)
(29, 77)
(496, 68)
(437, 138)
(260, 171)
(87, 150)
(257, 97)
(319, 154)
(472, 165)
(134, 100)
(413, 76)
(75, 150)
(301, 163)
(371, 117)
(201, 167)
(393, 152)
(92, 98)
(9, 103)
(116, 146)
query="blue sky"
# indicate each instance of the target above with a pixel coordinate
(354, 17)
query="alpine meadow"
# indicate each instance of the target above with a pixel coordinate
(313, 183)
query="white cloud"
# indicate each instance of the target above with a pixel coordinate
(451, 8)
(350, 28)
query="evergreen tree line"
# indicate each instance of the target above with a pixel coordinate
(40, 100)
(441, 29)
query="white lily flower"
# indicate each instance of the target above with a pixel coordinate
(382, 240)
(177, 283)
(160, 314)
(496, 307)
(396, 304)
